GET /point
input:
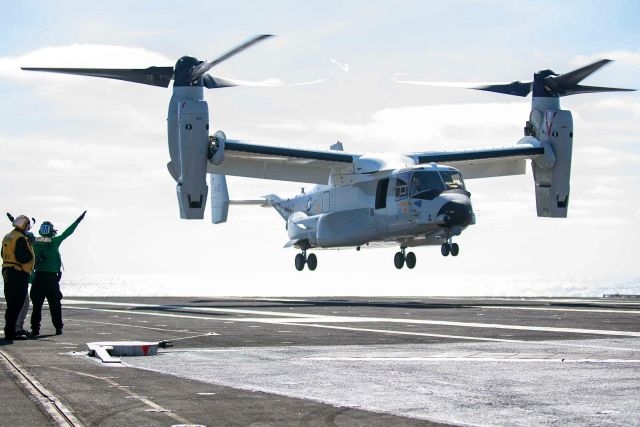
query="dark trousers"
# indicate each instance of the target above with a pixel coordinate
(46, 285)
(16, 284)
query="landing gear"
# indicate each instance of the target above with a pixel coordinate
(455, 249)
(449, 248)
(410, 259)
(312, 262)
(400, 258)
(301, 259)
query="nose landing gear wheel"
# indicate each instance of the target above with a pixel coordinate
(300, 261)
(410, 259)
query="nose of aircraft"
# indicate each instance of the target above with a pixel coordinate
(457, 212)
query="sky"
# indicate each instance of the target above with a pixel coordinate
(72, 143)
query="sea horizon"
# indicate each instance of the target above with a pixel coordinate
(255, 285)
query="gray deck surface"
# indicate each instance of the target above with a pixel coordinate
(334, 361)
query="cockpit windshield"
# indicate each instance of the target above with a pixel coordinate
(424, 183)
(453, 180)
(425, 180)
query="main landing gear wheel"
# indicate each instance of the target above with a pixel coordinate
(455, 249)
(410, 259)
(400, 258)
(301, 259)
(449, 248)
(312, 262)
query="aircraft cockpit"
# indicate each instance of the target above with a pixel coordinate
(428, 184)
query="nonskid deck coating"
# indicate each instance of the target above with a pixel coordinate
(347, 361)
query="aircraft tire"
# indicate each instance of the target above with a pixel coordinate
(299, 261)
(410, 260)
(398, 260)
(455, 249)
(312, 261)
(445, 249)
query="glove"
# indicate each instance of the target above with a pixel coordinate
(81, 217)
(11, 218)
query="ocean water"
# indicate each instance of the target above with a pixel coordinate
(313, 284)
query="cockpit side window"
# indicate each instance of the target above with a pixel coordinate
(425, 180)
(453, 180)
(402, 184)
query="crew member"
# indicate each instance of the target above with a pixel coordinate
(17, 265)
(46, 281)
(20, 331)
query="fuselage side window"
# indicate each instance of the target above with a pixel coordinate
(402, 184)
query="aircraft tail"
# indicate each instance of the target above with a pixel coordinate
(277, 203)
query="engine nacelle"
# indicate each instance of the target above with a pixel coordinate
(555, 128)
(193, 148)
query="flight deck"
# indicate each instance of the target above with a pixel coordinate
(331, 361)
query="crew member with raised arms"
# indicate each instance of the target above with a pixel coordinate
(48, 271)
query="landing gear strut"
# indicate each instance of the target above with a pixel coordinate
(449, 248)
(301, 259)
(400, 258)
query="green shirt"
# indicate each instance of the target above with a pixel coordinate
(47, 250)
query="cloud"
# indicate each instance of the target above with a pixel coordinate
(625, 56)
(427, 127)
(148, 33)
(68, 165)
(607, 157)
(49, 199)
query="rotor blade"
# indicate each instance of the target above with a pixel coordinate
(576, 76)
(513, 88)
(464, 85)
(206, 66)
(154, 76)
(213, 82)
(578, 89)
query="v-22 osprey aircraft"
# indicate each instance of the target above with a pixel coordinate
(399, 199)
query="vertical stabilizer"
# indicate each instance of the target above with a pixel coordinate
(219, 198)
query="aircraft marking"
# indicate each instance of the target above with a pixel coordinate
(468, 359)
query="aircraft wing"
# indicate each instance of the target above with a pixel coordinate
(281, 163)
(485, 163)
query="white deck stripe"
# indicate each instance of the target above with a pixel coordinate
(580, 310)
(314, 320)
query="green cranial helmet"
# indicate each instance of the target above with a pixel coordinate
(47, 230)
